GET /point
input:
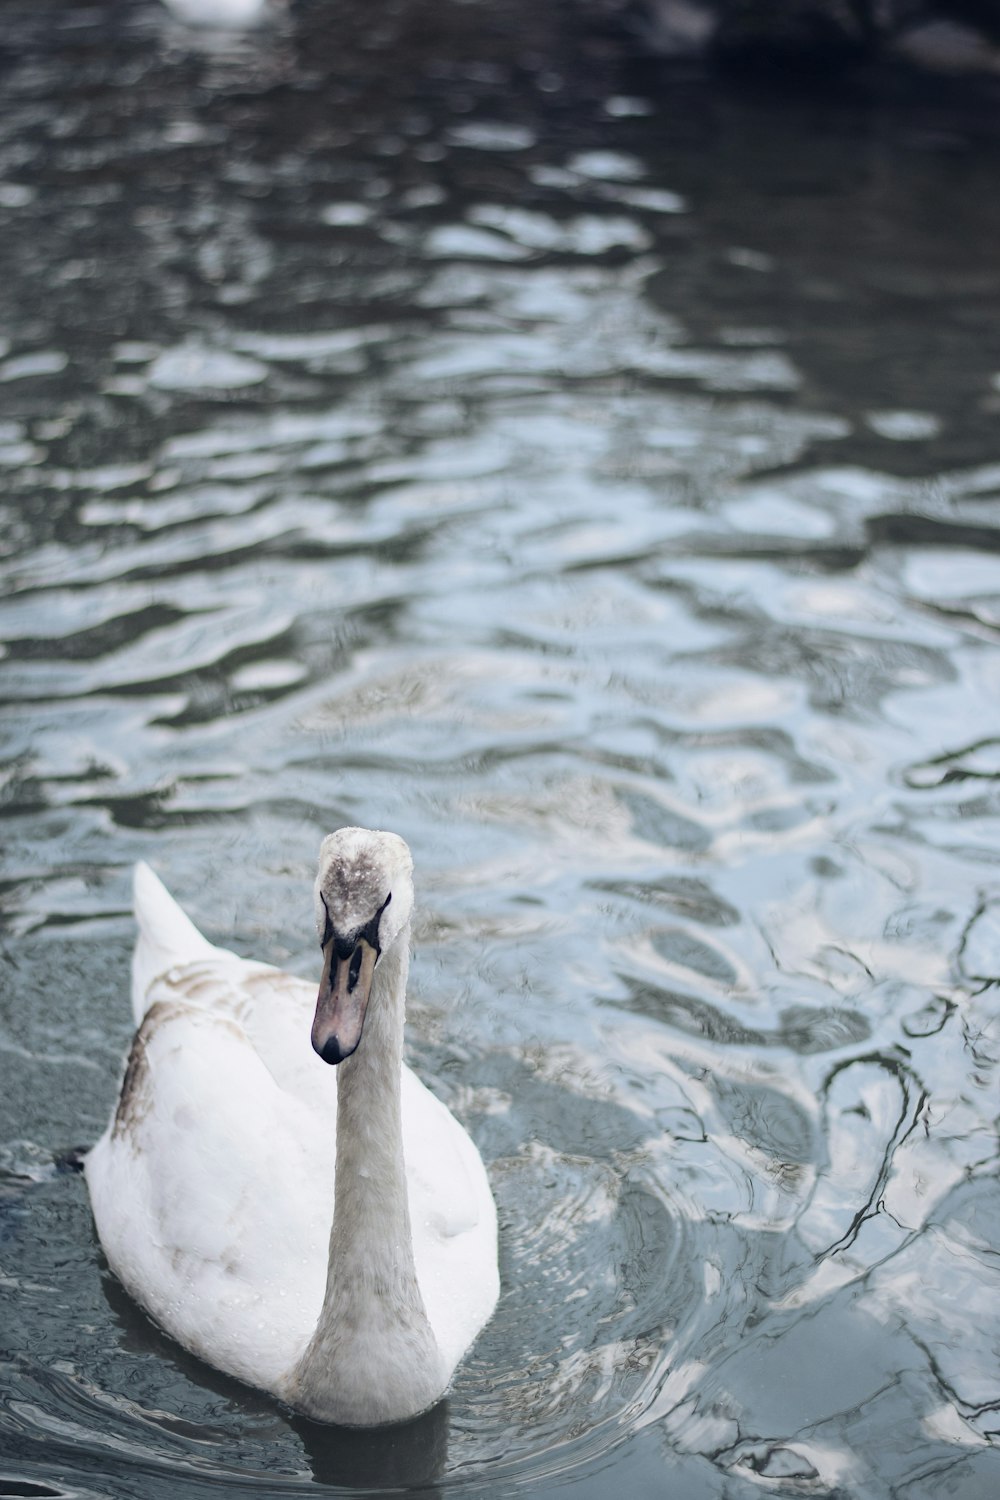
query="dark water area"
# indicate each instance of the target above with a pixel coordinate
(446, 418)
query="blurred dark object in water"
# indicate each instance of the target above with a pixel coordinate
(815, 35)
(793, 38)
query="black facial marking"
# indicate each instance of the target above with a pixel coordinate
(370, 933)
(347, 947)
(344, 946)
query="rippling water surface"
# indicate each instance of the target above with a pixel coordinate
(434, 417)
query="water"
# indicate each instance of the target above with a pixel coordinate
(442, 420)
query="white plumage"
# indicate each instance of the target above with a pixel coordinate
(213, 1187)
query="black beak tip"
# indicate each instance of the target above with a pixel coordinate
(332, 1052)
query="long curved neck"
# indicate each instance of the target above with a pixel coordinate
(371, 1244)
(373, 1356)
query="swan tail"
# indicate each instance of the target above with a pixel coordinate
(166, 936)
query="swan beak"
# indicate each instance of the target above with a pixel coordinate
(342, 1000)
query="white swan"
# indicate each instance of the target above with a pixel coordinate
(213, 1185)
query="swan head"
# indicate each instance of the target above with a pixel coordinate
(363, 897)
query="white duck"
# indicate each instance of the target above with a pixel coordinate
(213, 1185)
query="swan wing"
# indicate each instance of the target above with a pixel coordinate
(453, 1218)
(208, 1198)
(167, 937)
(174, 963)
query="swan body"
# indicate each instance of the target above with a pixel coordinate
(326, 1233)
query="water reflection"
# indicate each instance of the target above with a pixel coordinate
(594, 478)
(410, 1456)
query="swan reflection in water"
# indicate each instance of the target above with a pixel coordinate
(226, 15)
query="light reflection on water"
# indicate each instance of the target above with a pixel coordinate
(594, 479)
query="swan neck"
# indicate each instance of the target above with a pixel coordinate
(373, 1356)
(371, 1219)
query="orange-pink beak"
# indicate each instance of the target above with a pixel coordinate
(343, 999)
